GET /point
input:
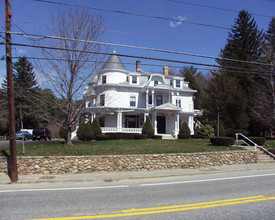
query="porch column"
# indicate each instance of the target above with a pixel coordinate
(119, 121)
(177, 119)
(191, 124)
(145, 115)
(155, 122)
(146, 99)
(153, 98)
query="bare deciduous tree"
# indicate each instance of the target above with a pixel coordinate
(67, 70)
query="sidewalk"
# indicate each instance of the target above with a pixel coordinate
(109, 177)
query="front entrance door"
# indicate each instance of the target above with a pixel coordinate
(161, 124)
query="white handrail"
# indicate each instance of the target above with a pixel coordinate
(255, 145)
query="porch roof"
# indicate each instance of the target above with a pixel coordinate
(167, 106)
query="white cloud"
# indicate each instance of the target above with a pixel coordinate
(177, 23)
(21, 51)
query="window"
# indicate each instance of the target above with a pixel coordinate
(102, 121)
(132, 101)
(178, 83)
(150, 101)
(178, 103)
(131, 121)
(102, 100)
(156, 82)
(134, 79)
(104, 79)
(159, 100)
(171, 82)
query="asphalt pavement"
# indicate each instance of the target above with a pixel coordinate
(117, 176)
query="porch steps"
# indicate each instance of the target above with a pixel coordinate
(167, 137)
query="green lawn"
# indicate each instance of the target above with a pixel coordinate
(118, 147)
(269, 144)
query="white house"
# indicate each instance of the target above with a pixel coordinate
(122, 99)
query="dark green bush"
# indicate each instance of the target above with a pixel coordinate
(96, 127)
(119, 135)
(148, 128)
(183, 136)
(184, 132)
(222, 141)
(140, 136)
(157, 137)
(102, 137)
(196, 136)
(85, 132)
(258, 140)
(206, 131)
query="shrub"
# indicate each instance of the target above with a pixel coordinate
(119, 135)
(222, 141)
(102, 137)
(258, 140)
(96, 127)
(156, 137)
(196, 136)
(184, 132)
(206, 131)
(85, 132)
(140, 136)
(148, 128)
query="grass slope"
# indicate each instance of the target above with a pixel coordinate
(120, 147)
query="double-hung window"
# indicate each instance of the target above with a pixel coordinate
(102, 100)
(104, 79)
(132, 101)
(159, 100)
(178, 83)
(134, 79)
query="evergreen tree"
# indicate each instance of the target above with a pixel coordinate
(148, 128)
(184, 132)
(234, 90)
(96, 127)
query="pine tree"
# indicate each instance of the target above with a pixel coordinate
(96, 127)
(234, 90)
(148, 128)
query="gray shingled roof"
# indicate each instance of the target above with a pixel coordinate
(113, 63)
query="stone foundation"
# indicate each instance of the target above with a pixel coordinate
(28, 165)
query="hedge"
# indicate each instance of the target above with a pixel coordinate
(157, 137)
(258, 140)
(183, 136)
(102, 137)
(222, 141)
(140, 136)
(119, 135)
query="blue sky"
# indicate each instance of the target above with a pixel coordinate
(143, 31)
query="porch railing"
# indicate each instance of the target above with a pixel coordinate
(125, 130)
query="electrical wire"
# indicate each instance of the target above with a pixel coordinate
(40, 37)
(213, 7)
(136, 57)
(132, 13)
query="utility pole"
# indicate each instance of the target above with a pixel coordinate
(12, 160)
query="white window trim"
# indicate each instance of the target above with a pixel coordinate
(135, 101)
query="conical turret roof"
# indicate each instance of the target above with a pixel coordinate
(113, 63)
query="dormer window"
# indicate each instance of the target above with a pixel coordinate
(178, 83)
(156, 82)
(134, 79)
(104, 79)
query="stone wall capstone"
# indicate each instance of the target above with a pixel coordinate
(28, 165)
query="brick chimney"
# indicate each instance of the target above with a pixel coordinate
(166, 70)
(138, 69)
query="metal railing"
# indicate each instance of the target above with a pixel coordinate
(254, 144)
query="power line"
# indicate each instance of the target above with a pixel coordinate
(213, 7)
(144, 64)
(132, 13)
(40, 37)
(136, 57)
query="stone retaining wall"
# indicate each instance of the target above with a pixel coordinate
(114, 163)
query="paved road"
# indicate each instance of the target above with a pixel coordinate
(234, 195)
